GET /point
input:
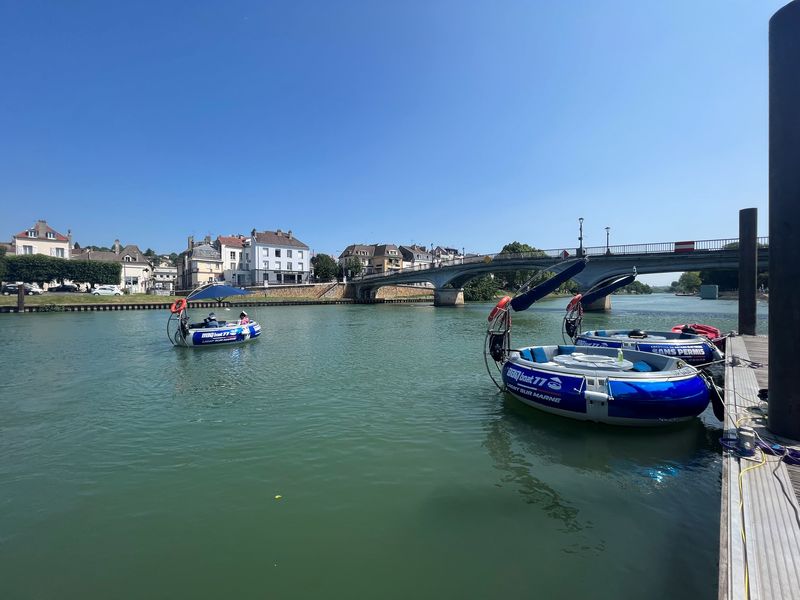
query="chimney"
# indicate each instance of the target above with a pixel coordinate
(116, 247)
(279, 233)
(191, 242)
(290, 234)
(69, 238)
(207, 239)
(253, 233)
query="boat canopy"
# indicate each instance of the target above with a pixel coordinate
(524, 301)
(607, 287)
(216, 291)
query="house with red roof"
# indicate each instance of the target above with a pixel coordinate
(42, 239)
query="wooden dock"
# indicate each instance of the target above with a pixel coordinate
(760, 517)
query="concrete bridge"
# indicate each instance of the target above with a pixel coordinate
(448, 278)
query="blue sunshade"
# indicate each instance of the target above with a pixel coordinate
(538, 292)
(217, 292)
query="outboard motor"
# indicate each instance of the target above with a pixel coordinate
(497, 346)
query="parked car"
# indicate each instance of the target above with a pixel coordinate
(11, 288)
(107, 290)
(64, 287)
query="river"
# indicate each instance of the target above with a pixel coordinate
(350, 452)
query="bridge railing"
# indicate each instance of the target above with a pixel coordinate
(686, 247)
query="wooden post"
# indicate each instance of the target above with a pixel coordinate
(21, 298)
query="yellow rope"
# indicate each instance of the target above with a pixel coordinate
(741, 513)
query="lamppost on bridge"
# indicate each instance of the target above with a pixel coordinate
(608, 248)
(580, 236)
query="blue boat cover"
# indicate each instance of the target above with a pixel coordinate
(524, 301)
(606, 287)
(218, 292)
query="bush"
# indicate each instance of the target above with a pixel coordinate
(38, 268)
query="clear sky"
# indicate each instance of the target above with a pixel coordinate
(461, 123)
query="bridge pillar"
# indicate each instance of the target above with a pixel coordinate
(448, 296)
(599, 305)
(784, 220)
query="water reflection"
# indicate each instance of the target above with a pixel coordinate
(225, 371)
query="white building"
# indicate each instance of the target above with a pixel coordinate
(136, 269)
(42, 239)
(165, 275)
(275, 257)
(235, 269)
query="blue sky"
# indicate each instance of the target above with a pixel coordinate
(469, 124)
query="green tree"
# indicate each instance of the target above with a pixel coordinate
(325, 268)
(636, 287)
(352, 267)
(689, 282)
(2, 263)
(150, 253)
(512, 280)
(38, 268)
(173, 258)
(480, 289)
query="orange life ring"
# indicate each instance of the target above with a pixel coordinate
(178, 305)
(500, 306)
(573, 304)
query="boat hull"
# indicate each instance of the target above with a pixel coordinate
(216, 336)
(634, 400)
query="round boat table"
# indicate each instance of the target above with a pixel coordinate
(578, 360)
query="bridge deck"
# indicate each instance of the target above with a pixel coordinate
(760, 516)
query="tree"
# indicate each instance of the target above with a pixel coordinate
(150, 253)
(38, 268)
(480, 289)
(325, 268)
(636, 287)
(352, 267)
(173, 258)
(2, 263)
(512, 280)
(689, 282)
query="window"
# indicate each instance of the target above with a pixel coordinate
(51, 235)
(127, 258)
(277, 252)
(131, 281)
(233, 266)
(233, 255)
(277, 265)
(288, 254)
(299, 254)
(289, 265)
(32, 233)
(27, 249)
(59, 252)
(266, 251)
(266, 265)
(299, 266)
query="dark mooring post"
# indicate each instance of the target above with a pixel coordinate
(784, 219)
(21, 298)
(748, 258)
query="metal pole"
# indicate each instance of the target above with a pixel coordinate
(580, 236)
(748, 256)
(608, 249)
(784, 219)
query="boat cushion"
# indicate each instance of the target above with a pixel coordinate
(526, 354)
(539, 355)
(642, 367)
(600, 333)
(566, 349)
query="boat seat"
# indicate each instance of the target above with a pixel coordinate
(566, 349)
(600, 333)
(641, 366)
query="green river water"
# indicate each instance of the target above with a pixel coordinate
(132, 469)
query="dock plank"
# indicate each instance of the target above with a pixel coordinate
(760, 530)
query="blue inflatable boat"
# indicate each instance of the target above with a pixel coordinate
(692, 348)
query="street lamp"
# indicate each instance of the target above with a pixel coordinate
(580, 236)
(608, 250)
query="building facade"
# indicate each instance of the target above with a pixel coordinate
(386, 258)
(200, 263)
(235, 269)
(165, 276)
(275, 257)
(136, 272)
(43, 239)
(363, 253)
